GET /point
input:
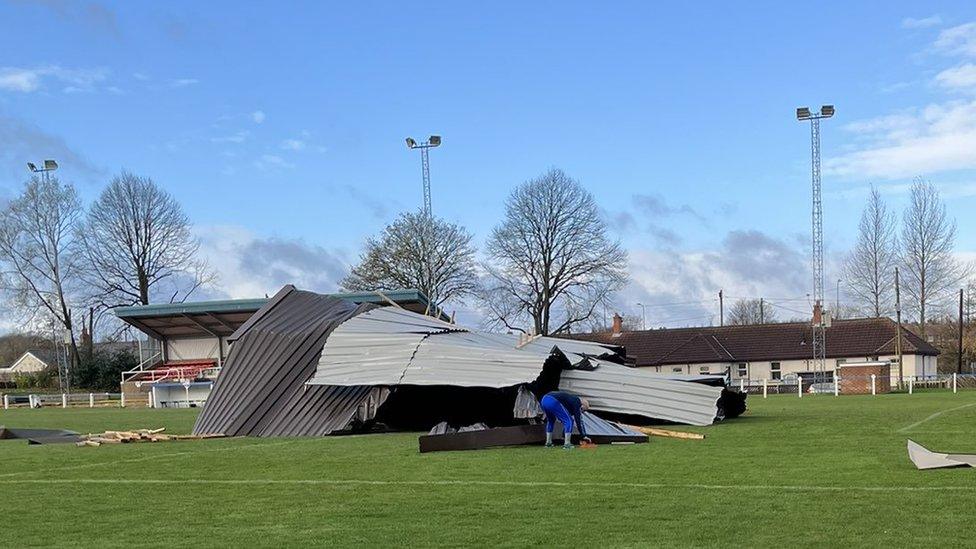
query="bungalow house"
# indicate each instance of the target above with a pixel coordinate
(775, 352)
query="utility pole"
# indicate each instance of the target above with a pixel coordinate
(901, 372)
(819, 324)
(721, 309)
(959, 364)
(643, 316)
(762, 311)
(837, 302)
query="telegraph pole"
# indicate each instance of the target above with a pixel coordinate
(901, 372)
(721, 309)
(819, 323)
(959, 364)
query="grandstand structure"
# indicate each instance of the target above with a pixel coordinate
(185, 344)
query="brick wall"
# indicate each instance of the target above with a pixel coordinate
(856, 380)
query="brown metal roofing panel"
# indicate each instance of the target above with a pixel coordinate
(261, 392)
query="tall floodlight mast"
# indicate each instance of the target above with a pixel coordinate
(432, 141)
(819, 318)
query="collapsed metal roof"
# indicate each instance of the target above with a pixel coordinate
(261, 391)
(393, 347)
(309, 364)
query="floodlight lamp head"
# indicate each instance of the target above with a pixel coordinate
(411, 143)
(50, 165)
(434, 140)
(803, 113)
(827, 111)
(31, 166)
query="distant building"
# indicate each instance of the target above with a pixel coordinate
(775, 352)
(30, 362)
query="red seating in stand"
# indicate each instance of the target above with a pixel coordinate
(174, 370)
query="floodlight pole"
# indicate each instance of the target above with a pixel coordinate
(49, 166)
(432, 141)
(819, 322)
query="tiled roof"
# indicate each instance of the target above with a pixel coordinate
(760, 342)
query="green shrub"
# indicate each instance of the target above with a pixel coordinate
(45, 379)
(102, 371)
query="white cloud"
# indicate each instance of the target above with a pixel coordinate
(250, 265)
(293, 144)
(258, 117)
(961, 77)
(27, 80)
(959, 40)
(938, 137)
(22, 80)
(922, 22)
(183, 82)
(140, 76)
(680, 288)
(268, 161)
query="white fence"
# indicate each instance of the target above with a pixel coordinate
(800, 385)
(66, 400)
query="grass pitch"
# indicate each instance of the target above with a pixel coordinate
(810, 472)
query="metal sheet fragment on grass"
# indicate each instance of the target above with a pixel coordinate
(924, 458)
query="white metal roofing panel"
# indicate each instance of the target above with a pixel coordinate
(471, 359)
(620, 389)
(365, 359)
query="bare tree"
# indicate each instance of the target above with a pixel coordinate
(928, 236)
(39, 254)
(870, 267)
(138, 245)
(750, 311)
(417, 251)
(550, 261)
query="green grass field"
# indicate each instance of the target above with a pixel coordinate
(811, 472)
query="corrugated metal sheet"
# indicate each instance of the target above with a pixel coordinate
(261, 391)
(471, 359)
(394, 347)
(620, 389)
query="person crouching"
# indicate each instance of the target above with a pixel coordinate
(567, 408)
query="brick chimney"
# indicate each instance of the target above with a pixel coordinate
(618, 324)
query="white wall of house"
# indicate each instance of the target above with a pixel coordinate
(27, 363)
(193, 348)
(915, 365)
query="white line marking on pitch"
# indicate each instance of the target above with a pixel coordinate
(154, 457)
(527, 484)
(933, 416)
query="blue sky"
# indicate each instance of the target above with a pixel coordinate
(280, 126)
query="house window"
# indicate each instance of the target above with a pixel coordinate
(676, 370)
(743, 369)
(775, 370)
(703, 369)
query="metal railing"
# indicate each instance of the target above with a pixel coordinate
(855, 384)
